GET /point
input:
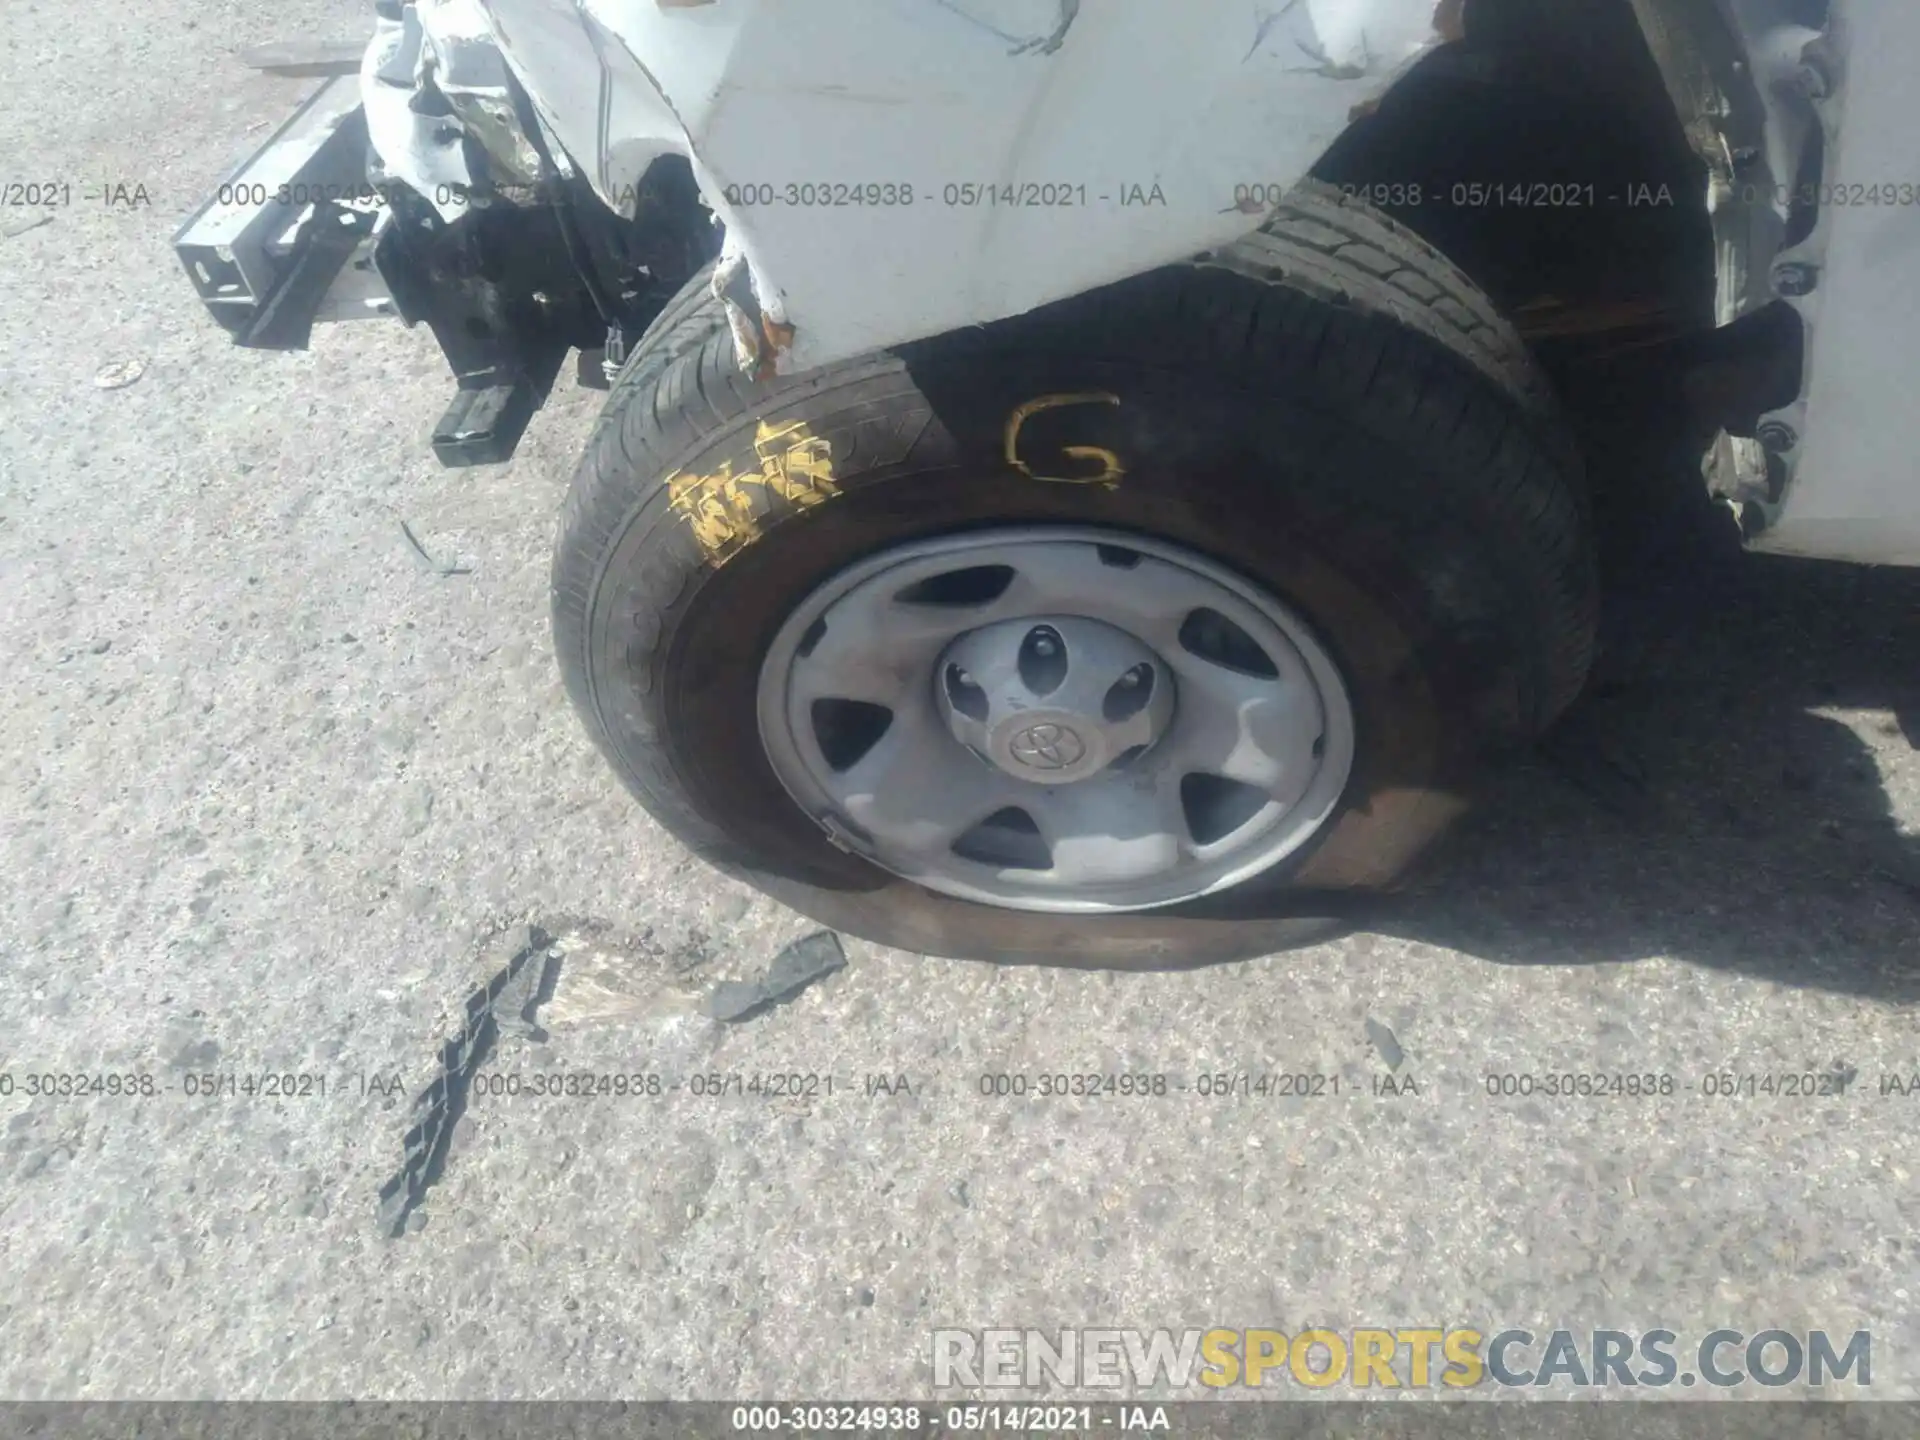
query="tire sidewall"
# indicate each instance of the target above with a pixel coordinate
(1406, 593)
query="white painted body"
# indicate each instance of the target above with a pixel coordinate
(1195, 97)
(1855, 494)
(1153, 118)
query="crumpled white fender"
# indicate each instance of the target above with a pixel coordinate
(892, 169)
(448, 46)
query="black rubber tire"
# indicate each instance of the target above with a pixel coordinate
(1318, 241)
(1328, 408)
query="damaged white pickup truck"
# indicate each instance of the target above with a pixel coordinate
(1091, 479)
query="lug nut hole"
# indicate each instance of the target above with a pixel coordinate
(1043, 660)
(1129, 695)
(965, 696)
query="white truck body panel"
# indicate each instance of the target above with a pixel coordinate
(1855, 493)
(1154, 128)
(1143, 115)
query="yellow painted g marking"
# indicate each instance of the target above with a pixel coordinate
(720, 509)
(1111, 470)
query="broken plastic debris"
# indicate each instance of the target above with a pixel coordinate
(413, 542)
(793, 969)
(506, 1002)
(1381, 1038)
(120, 374)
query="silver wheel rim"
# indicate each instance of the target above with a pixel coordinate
(968, 713)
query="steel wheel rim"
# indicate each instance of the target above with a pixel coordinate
(1244, 769)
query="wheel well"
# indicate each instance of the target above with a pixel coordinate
(1599, 220)
(1541, 153)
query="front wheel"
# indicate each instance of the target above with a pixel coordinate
(1123, 633)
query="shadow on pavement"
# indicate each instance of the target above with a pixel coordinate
(1705, 801)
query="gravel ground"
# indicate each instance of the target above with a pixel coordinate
(272, 791)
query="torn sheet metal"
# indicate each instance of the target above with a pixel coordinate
(439, 111)
(893, 169)
(1832, 232)
(1734, 73)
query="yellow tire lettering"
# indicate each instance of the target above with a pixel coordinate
(1109, 472)
(720, 509)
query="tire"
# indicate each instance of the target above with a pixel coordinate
(1328, 410)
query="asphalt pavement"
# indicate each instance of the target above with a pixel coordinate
(278, 795)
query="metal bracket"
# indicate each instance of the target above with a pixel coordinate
(491, 411)
(284, 225)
